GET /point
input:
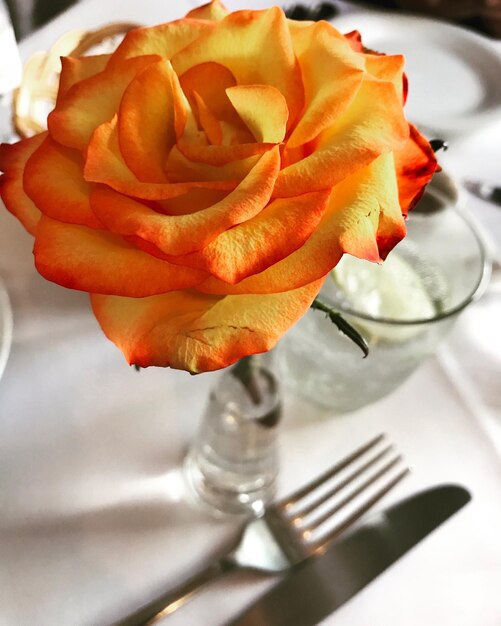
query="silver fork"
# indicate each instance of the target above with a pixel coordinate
(286, 533)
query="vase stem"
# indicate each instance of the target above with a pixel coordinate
(232, 465)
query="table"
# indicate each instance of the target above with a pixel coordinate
(93, 517)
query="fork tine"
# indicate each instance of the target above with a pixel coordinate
(291, 499)
(354, 493)
(306, 509)
(321, 544)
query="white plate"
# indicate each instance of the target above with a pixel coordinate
(5, 327)
(454, 74)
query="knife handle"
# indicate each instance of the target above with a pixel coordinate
(172, 600)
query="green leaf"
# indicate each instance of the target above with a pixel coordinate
(345, 327)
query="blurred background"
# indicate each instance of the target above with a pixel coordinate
(27, 15)
(482, 15)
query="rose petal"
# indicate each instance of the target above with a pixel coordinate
(238, 41)
(195, 332)
(214, 10)
(206, 84)
(146, 122)
(354, 38)
(208, 121)
(373, 223)
(182, 234)
(164, 40)
(277, 231)
(372, 125)
(415, 165)
(210, 81)
(263, 109)
(101, 262)
(389, 68)
(53, 180)
(380, 65)
(105, 164)
(74, 70)
(332, 74)
(221, 155)
(185, 122)
(13, 158)
(190, 202)
(180, 169)
(356, 220)
(92, 102)
(383, 66)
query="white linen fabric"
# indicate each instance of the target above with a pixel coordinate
(94, 518)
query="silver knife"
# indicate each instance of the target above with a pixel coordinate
(322, 584)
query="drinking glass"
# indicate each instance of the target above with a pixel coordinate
(403, 308)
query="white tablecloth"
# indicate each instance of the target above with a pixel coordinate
(93, 518)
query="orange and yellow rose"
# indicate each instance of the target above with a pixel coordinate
(201, 181)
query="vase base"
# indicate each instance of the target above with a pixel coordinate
(224, 499)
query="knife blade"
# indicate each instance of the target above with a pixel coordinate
(322, 584)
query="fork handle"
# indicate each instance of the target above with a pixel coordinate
(172, 600)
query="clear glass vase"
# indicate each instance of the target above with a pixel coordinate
(232, 465)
